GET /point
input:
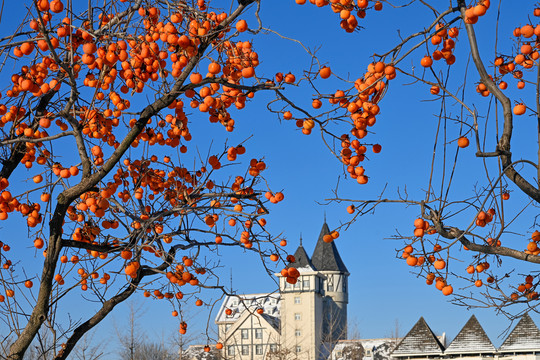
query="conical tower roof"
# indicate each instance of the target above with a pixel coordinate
(471, 339)
(419, 341)
(326, 256)
(302, 260)
(525, 336)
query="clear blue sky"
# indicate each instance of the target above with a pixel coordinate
(382, 288)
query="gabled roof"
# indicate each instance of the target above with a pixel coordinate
(325, 256)
(525, 336)
(302, 259)
(420, 340)
(471, 339)
(239, 303)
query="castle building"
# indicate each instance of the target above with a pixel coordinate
(303, 321)
(308, 321)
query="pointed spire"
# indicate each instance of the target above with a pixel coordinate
(326, 256)
(301, 258)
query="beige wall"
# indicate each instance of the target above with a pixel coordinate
(301, 319)
(249, 324)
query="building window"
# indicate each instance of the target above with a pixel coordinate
(298, 348)
(344, 284)
(297, 300)
(227, 327)
(273, 347)
(305, 284)
(330, 287)
(258, 333)
(258, 350)
(297, 333)
(230, 350)
(245, 333)
(368, 352)
(297, 285)
(297, 316)
(245, 349)
(287, 285)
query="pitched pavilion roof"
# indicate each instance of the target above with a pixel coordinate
(301, 259)
(326, 256)
(471, 339)
(419, 340)
(525, 336)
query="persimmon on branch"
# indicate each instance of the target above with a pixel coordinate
(450, 221)
(114, 218)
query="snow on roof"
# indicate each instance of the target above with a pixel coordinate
(525, 336)
(419, 340)
(380, 348)
(269, 302)
(471, 339)
(197, 352)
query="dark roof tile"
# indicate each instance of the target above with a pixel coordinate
(301, 259)
(326, 256)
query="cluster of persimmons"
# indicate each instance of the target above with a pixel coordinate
(362, 107)
(129, 221)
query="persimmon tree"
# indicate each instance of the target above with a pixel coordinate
(97, 104)
(458, 242)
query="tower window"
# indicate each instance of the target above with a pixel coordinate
(298, 348)
(297, 333)
(297, 300)
(258, 350)
(297, 316)
(330, 283)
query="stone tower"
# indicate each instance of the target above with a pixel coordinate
(327, 261)
(314, 310)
